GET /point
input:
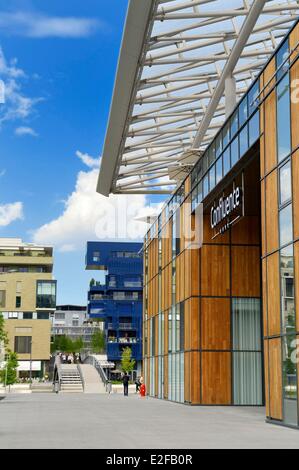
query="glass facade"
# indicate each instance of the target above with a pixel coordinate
(247, 355)
(46, 294)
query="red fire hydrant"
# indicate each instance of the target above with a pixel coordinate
(142, 390)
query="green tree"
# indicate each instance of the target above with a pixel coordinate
(8, 375)
(127, 363)
(3, 334)
(98, 342)
(65, 344)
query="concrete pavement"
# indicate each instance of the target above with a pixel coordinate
(68, 421)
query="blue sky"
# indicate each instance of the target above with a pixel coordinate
(58, 62)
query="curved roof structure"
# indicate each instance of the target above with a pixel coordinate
(183, 66)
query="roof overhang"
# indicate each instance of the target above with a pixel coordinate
(168, 100)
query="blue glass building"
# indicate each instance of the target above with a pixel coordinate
(118, 301)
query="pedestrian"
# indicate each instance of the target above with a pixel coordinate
(137, 383)
(126, 384)
(56, 387)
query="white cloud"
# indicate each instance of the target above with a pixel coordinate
(90, 216)
(2, 173)
(10, 212)
(38, 25)
(22, 130)
(15, 105)
(88, 160)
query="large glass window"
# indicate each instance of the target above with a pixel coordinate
(290, 383)
(244, 140)
(219, 170)
(46, 294)
(247, 363)
(23, 344)
(226, 161)
(235, 151)
(287, 290)
(243, 111)
(286, 225)
(254, 129)
(285, 185)
(283, 119)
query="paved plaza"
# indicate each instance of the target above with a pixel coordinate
(99, 421)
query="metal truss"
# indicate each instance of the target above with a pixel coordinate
(169, 98)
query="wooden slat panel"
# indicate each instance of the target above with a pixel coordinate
(188, 185)
(208, 233)
(195, 378)
(246, 271)
(263, 218)
(273, 294)
(195, 271)
(195, 322)
(265, 298)
(216, 378)
(275, 372)
(246, 231)
(216, 324)
(271, 212)
(295, 172)
(215, 272)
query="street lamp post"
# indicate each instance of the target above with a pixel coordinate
(30, 370)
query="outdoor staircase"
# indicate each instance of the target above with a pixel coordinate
(70, 379)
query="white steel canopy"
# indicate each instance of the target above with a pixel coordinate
(178, 61)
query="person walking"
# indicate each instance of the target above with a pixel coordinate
(138, 384)
(126, 384)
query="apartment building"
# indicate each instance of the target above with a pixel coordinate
(27, 299)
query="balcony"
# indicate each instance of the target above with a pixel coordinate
(126, 326)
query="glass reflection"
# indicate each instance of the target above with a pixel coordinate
(290, 383)
(285, 183)
(287, 290)
(286, 225)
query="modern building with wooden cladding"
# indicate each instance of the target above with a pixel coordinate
(221, 267)
(221, 321)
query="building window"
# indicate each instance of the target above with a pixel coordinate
(23, 344)
(290, 384)
(2, 298)
(247, 356)
(283, 119)
(27, 316)
(42, 316)
(18, 301)
(46, 294)
(59, 316)
(286, 225)
(96, 256)
(235, 151)
(285, 183)
(226, 161)
(287, 290)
